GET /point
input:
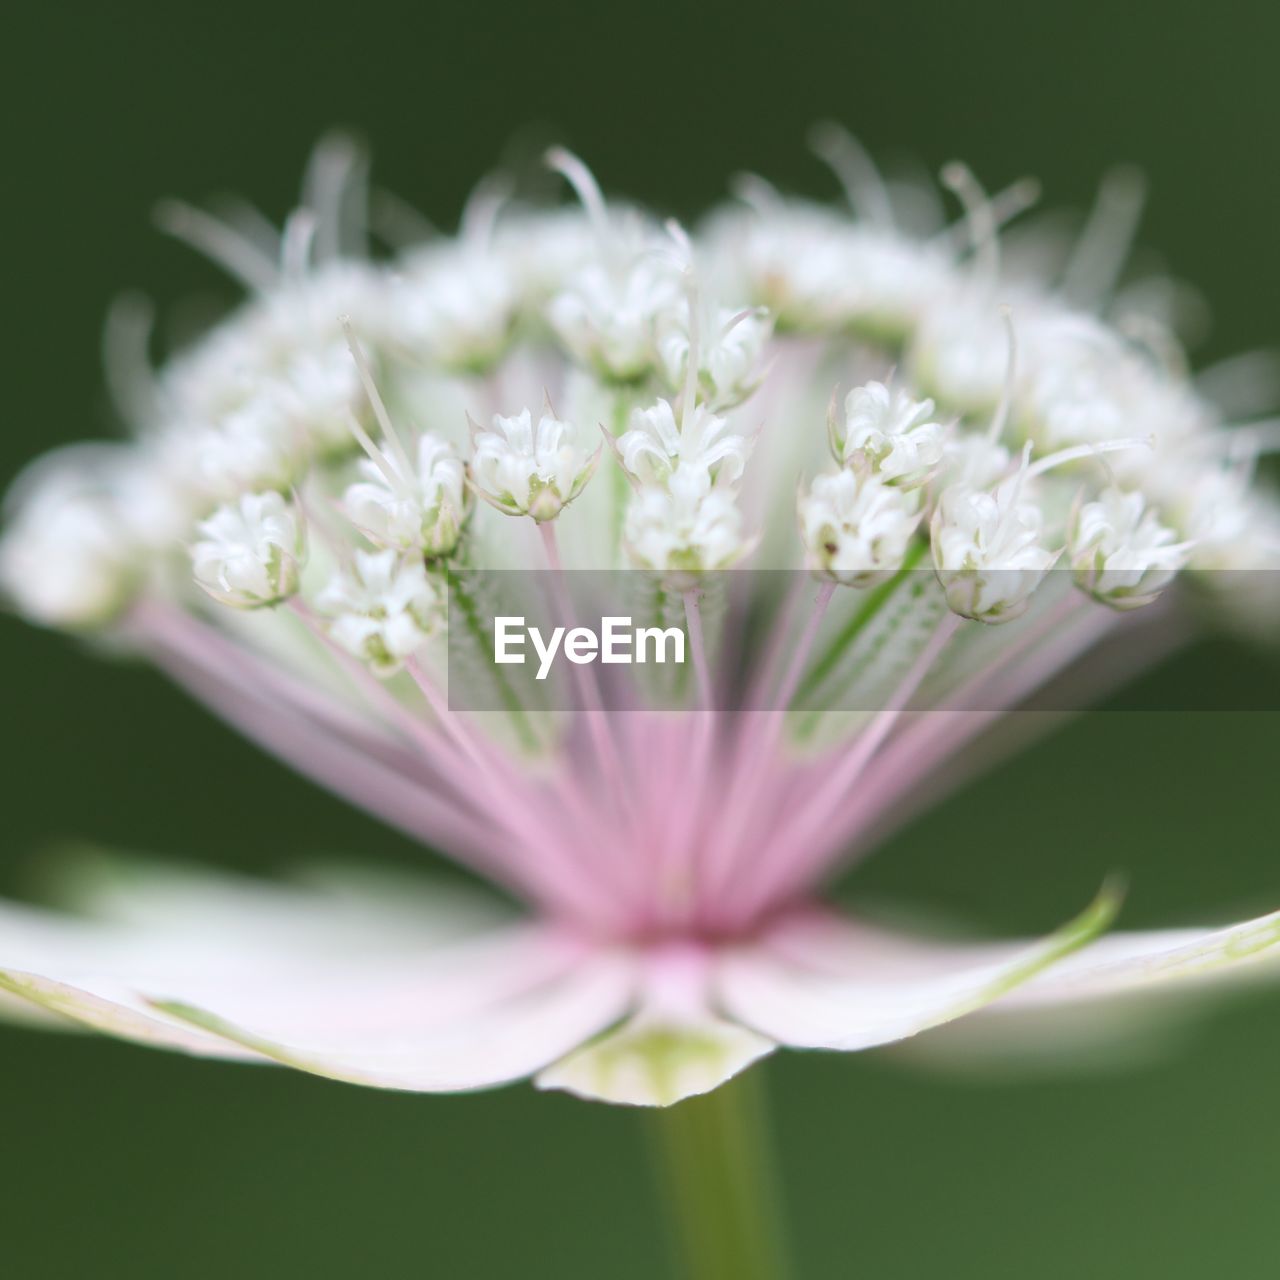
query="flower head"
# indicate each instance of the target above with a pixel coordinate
(668, 854)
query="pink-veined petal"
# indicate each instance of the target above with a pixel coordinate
(494, 1043)
(365, 982)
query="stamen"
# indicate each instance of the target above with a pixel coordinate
(1246, 442)
(1001, 417)
(126, 338)
(219, 242)
(979, 217)
(480, 213)
(1159, 342)
(1243, 385)
(585, 186)
(295, 245)
(856, 172)
(334, 175)
(691, 366)
(1005, 205)
(758, 193)
(1075, 452)
(376, 456)
(398, 222)
(1099, 255)
(734, 321)
(375, 399)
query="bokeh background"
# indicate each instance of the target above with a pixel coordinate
(120, 1162)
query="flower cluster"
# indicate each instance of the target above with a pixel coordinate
(336, 454)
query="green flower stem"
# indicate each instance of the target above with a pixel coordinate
(713, 1159)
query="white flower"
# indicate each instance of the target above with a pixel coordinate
(792, 258)
(254, 448)
(856, 528)
(67, 558)
(383, 609)
(281, 361)
(542, 248)
(987, 552)
(424, 511)
(1073, 398)
(667, 871)
(729, 352)
(1120, 552)
(251, 552)
(523, 470)
(608, 313)
(960, 353)
(683, 530)
(455, 304)
(701, 445)
(894, 432)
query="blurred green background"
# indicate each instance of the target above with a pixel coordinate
(120, 1162)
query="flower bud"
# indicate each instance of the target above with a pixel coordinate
(1120, 552)
(855, 527)
(608, 314)
(525, 471)
(728, 356)
(67, 558)
(987, 552)
(425, 511)
(683, 530)
(251, 553)
(383, 609)
(655, 446)
(894, 433)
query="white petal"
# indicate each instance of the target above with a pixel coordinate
(475, 1048)
(115, 1011)
(1126, 1000)
(360, 985)
(828, 985)
(1134, 963)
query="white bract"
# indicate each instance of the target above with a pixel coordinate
(250, 553)
(666, 836)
